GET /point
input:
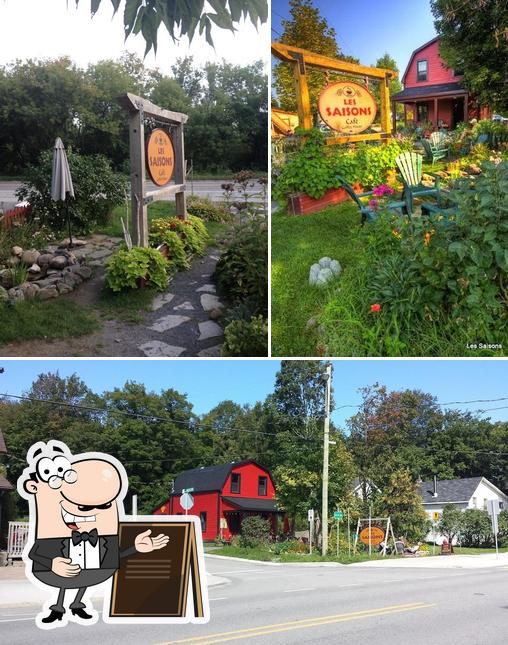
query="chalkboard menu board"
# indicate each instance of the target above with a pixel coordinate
(160, 584)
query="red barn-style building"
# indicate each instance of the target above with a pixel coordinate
(433, 92)
(223, 496)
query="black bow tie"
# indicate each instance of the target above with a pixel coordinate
(91, 537)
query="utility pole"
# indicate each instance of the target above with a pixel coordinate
(326, 450)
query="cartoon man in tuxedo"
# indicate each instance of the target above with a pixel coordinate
(75, 503)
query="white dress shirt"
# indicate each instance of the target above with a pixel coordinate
(84, 554)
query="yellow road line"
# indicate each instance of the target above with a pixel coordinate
(263, 630)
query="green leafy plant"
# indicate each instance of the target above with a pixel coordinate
(126, 268)
(97, 191)
(246, 337)
(18, 274)
(207, 210)
(255, 531)
(242, 271)
(191, 231)
(161, 233)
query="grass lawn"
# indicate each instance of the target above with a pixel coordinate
(127, 306)
(264, 555)
(298, 242)
(47, 320)
(464, 550)
(336, 320)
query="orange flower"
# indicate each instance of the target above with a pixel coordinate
(396, 233)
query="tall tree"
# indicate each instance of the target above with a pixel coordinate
(401, 501)
(305, 28)
(474, 41)
(184, 18)
(394, 85)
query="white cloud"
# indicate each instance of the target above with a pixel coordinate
(52, 28)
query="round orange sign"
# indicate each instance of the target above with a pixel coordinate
(377, 535)
(347, 107)
(160, 157)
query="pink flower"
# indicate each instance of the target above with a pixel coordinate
(375, 308)
(382, 190)
(374, 204)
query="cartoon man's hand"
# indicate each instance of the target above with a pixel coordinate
(145, 544)
(64, 567)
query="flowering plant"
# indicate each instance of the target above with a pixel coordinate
(381, 192)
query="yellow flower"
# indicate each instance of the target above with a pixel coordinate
(396, 233)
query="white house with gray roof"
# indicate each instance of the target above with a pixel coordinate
(472, 492)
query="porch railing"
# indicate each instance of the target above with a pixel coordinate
(16, 539)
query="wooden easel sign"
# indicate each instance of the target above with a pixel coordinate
(165, 586)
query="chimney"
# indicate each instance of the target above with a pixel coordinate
(434, 494)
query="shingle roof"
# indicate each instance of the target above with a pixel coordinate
(208, 478)
(252, 503)
(428, 90)
(5, 484)
(449, 490)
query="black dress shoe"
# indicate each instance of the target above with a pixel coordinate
(81, 613)
(54, 615)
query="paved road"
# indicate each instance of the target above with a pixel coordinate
(294, 605)
(204, 187)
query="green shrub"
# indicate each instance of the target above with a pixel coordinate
(290, 546)
(314, 168)
(97, 191)
(246, 337)
(242, 271)
(255, 531)
(161, 233)
(191, 231)
(207, 210)
(476, 529)
(125, 268)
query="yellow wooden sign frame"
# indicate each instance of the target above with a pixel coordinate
(300, 59)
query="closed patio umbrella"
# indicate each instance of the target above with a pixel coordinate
(61, 180)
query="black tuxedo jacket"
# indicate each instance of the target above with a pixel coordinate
(45, 550)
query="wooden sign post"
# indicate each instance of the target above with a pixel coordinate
(139, 108)
(300, 59)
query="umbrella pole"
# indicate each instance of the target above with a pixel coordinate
(69, 224)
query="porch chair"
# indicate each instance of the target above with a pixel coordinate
(410, 168)
(436, 147)
(366, 212)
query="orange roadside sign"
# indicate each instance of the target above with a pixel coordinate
(377, 535)
(347, 107)
(160, 157)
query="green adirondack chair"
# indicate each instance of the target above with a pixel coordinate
(436, 147)
(366, 212)
(410, 168)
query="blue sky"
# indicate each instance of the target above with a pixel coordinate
(367, 29)
(207, 382)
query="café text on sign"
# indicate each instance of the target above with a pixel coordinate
(160, 157)
(347, 107)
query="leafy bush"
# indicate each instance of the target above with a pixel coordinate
(314, 168)
(476, 529)
(97, 191)
(242, 271)
(126, 268)
(191, 231)
(27, 235)
(290, 546)
(458, 269)
(161, 233)
(246, 337)
(207, 210)
(255, 531)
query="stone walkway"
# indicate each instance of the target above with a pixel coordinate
(182, 319)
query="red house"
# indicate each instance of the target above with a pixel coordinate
(433, 92)
(223, 496)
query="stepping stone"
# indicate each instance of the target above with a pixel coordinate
(207, 287)
(168, 322)
(215, 257)
(161, 300)
(210, 302)
(185, 306)
(157, 348)
(209, 329)
(101, 254)
(211, 351)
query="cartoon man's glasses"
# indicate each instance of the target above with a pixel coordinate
(56, 471)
